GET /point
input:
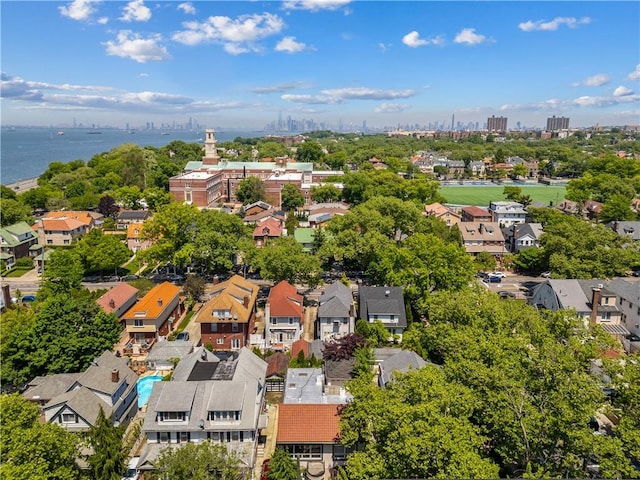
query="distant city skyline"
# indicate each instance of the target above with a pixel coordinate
(246, 64)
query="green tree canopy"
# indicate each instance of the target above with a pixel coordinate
(250, 190)
(291, 197)
(282, 466)
(107, 460)
(198, 461)
(310, 152)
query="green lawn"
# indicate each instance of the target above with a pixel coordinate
(481, 196)
(18, 272)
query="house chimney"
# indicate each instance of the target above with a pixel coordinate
(112, 303)
(216, 279)
(246, 301)
(595, 302)
(481, 228)
(115, 375)
(159, 302)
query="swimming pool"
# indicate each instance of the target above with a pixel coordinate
(144, 386)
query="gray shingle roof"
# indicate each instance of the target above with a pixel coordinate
(401, 362)
(50, 386)
(167, 350)
(382, 300)
(335, 301)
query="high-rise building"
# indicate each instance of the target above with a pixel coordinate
(496, 124)
(555, 124)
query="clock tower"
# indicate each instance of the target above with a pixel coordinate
(210, 151)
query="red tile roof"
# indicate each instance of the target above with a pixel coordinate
(284, 301)
(268, 228)
(278, 363)
(300, 345)
(116, 297)
(307, 423)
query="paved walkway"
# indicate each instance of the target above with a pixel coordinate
(271, 433)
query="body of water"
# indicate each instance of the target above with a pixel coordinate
(26, 152)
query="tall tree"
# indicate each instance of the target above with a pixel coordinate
(32, 450)
(282, 466)
(310, 152)
(284, 259)
(102, 253)
(291, 197)
(107, 460)
(62, 273)
(250, 190)
(198, 461)
(325, 193)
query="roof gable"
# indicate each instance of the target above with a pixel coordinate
(155, 302)
(308, 423)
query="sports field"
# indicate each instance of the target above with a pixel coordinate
(481, 195)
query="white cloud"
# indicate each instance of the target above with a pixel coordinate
(384, 47)
(584, 101)
(289, 45)
(79, 9)
(314, 5)
(552, 25)
(391, 108)
(622, 91)
(282, 87)
(311, 99)
(17, 87)
(635, 75)
(102, 20)
(364, 93)
(188, 8)
(237, 35)
(469, 36)
(413, 40)
(136, 11)
(597, 80)
(132, 45)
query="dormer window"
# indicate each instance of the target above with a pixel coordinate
(171, 416)
(224, 416)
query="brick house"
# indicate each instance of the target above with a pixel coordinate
(227, 320)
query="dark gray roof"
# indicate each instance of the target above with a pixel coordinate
(175, 396)
(630, 229)
(82, 401)
(338, 370)
(187, 364)
(134, 215)
(382, 300)
(204, 365)
(401, 362)
(50, 386)
(335, 301)
(167, 350)
(626, 289)
(98, 376)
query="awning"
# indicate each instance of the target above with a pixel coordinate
(614, 329)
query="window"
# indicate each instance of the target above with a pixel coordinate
(66, 242)
(235, 436)
(305, 452)
(184, 437)
(138, 322)
(220, 341)
(214, 327)
(69, 418)
(172, 416)
(49, 242)
(234, 327)
(274, 321)
(163, 437)
(235, 343)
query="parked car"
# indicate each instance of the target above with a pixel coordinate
(498, 274)
(183, 336)
(632, 337)
(506, 294)
(545, 274)
(28, 298)
(129, 278)
(492, 279)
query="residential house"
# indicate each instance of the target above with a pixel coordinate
(592, 209)
(277, 366)
(401, 362)
(589, 209)
(520, 236)
(628, 301)
(591, 299)
(482, 237)
(227, 320)
(118, 299)
(336, 315)
(259, 217)
(255, 208)
(62, 228)
(477, 169)
(155, 315)
(472, 213)
(446, 214)
(310, 434)
(456, 168)
(216, 397)
(18, 241)
(507, 213)
(385, 304)
(267, 229)
(304, 236)
(283, 315)
(129, 217)
(75, 400)
(163, 355)
(309, 385)
(135, 241)
(630, 230)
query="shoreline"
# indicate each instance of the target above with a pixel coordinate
(23, 185)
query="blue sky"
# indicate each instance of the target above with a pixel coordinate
(241, 64)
